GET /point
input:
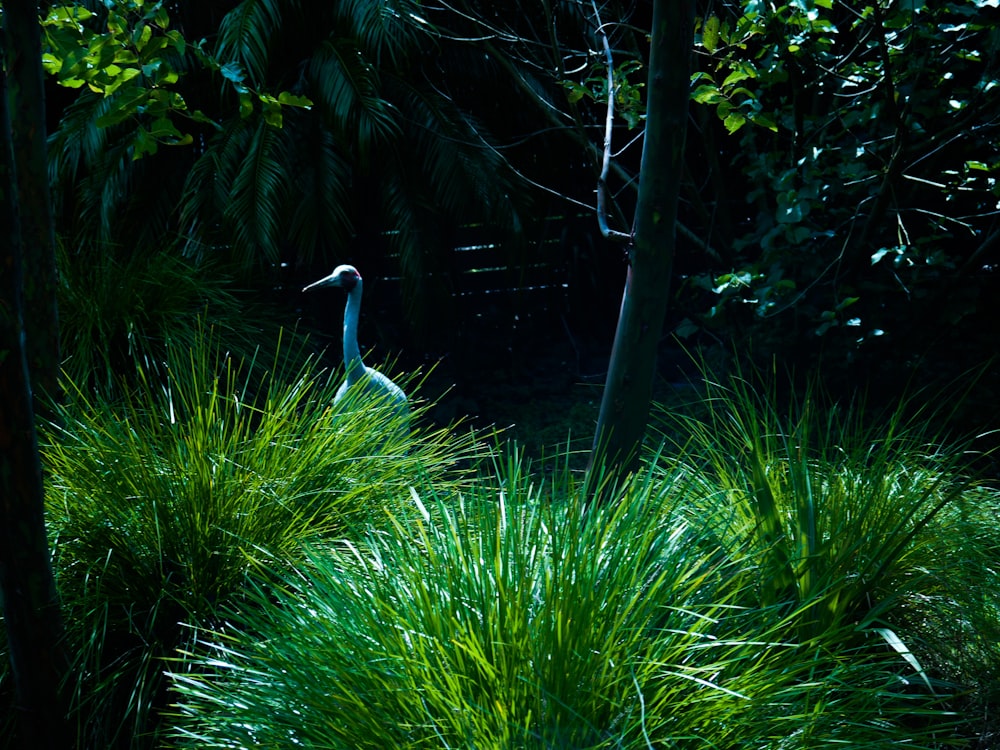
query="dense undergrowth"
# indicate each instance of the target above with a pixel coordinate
(242, 565)
(165, 499)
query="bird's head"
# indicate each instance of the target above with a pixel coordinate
(346, 277)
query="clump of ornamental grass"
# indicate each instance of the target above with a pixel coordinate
(497, 619)
(118, 309)
(161, 501)
(516, 617)
(858, 535)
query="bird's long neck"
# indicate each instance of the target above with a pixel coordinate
(352, 354)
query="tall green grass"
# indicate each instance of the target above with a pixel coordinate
(243, 565)
(495, 619)
(119, 309)
(515, 617)
(861, 525)
(162, 500)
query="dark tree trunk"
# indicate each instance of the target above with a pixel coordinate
(624, 408)
(30, 603)
(25, 83)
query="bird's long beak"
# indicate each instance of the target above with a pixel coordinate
(330, 280)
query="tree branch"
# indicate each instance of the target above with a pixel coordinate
(609, 118)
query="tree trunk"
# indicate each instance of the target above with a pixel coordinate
(25, 83)
(30, 603)
(624, 408)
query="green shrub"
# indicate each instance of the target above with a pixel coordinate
(161, 501)
(512, 618)
(119, 310)
(498, 619)
(860, 528)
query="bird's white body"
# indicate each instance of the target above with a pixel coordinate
(364, 383)
(373, 386)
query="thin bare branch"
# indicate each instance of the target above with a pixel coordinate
(602, 181)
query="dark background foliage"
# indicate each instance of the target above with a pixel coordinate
(839, 212)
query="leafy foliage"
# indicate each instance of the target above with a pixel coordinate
(269, 179)
(120, 316)
(870, 200)
(497, 622)
(126, 52)
(858, 523)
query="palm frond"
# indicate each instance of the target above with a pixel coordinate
(388, 30)
(401, 210)
(258, 194)
(467, 176)
(77, 141)
(320, 210)
(209, 186)
(345, 87)
(245, 35)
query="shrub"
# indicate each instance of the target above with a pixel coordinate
(161, 501)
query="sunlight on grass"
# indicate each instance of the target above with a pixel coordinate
(160, 502)
(510, 616)
(490, 620)
(858, 527)
(243, 565)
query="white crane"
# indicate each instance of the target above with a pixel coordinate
(366, 384)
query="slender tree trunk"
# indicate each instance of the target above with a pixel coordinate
(25, 83)
(30, 604)
(624, 408)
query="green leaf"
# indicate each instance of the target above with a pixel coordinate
(904, 651)
(246, 104)
(125, 56)
(233, 72)
(293, 100)
(51, 63)
(144, 144)
(798, 234)
(164, 127)
(734, 121)
(127, 74)
(125, 105)
(710, 34)
(764, 120)
(686, 328)
(142, 35)
(735, 77)
(707, 94)
(575, 92)
(846, 302)
(273, 117)
(70, 15)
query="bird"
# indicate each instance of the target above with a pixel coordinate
(371, 386)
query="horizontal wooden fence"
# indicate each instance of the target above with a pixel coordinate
(499, 301)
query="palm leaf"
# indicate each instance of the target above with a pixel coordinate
(258, 194)
(320, 211)
(246, 32)
(468, 176)
(386, 30)
(345, 87)
(210, 184)
(78, 141)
